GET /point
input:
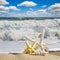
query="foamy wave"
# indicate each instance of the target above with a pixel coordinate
(16, 30)
(30, 23)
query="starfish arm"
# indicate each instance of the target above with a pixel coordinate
(27, 44)
(42, 36)
(33, 45)
(30, 39)
(23, 50)
(37, 47)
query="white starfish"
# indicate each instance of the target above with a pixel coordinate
(40, 45)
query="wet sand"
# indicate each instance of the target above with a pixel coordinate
(50, 56)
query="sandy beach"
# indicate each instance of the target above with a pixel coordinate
(50, 56)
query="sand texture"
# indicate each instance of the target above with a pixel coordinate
(50, 56)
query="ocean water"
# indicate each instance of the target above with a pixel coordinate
(18, 46)
(13, 30)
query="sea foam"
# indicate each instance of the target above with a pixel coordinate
(16, 30)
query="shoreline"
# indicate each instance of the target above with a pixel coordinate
(50, 56)
(57, 53)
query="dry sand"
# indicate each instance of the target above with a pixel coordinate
(50, 56)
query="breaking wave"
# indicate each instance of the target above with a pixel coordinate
(16, 30)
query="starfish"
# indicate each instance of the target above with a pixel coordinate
(29, 49)
(40, 44)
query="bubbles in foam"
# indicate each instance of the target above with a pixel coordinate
(16, 30)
